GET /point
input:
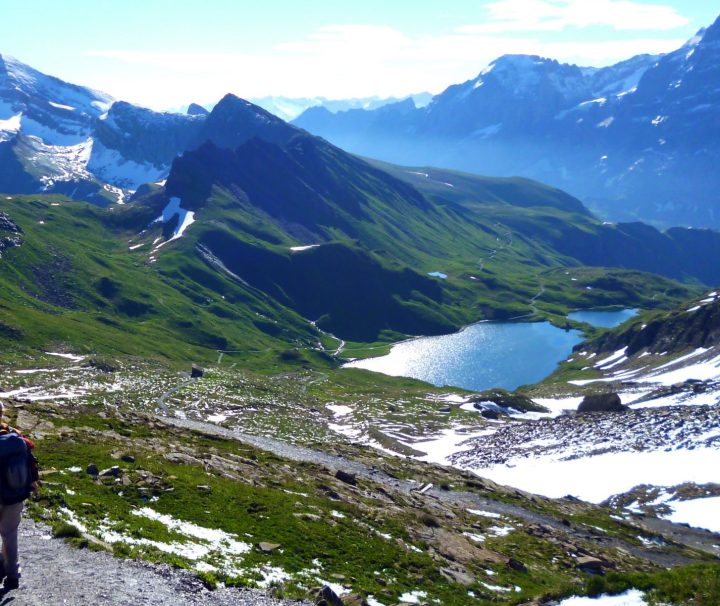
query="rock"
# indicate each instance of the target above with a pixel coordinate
(354, 599)
(347, 477)
(310, 517)
(112, 472)
(102, 365)
(486, 413)
(604, 402)
(517, 565)
(92, 469)
(204, 487)
(196, 372)
(457, 548)
(324, 596)
(182, 458)
(127, 458)
(590, 564)
(26, 421)
(268, 547)
(7, 224)
(457, 574)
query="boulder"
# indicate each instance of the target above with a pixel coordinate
(517, 565)
(196, 372)
(268, 547)
(602, 402)
(92, 469)
(112, 472)
(590, 564)
(347, 477)
(324, 596)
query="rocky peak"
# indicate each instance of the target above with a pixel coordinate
(712, 33)
(233, 121)
(196, 109)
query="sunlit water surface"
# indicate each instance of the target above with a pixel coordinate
(481, 356)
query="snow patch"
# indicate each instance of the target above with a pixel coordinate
(633, 597)
(598, 477)
(700, 513)
(185, 219)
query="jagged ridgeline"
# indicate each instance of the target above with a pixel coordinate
(635, 140)
(245, 244)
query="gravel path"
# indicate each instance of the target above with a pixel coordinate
(56, 574)
(695, 538)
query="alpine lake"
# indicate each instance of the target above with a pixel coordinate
(489, 354)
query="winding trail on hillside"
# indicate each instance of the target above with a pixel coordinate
(55, 573)
(694, 538)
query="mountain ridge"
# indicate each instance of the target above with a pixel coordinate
(617, 137)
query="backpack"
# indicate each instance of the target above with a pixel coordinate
(15, 473)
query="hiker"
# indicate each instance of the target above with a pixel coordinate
(18, 479)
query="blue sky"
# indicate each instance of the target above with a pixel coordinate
(164, 54)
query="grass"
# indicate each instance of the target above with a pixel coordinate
(378, 542)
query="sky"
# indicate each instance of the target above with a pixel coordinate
(165, 54)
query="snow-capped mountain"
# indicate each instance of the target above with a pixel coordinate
(637, 140)
(57, 137)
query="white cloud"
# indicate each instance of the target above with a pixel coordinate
(558, 15)
(341, 61)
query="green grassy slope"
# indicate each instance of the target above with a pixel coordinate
(96, 279)
(75, 282)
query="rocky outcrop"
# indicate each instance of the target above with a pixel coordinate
(603, 402)
(8, 225)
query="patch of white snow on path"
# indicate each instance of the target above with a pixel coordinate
(596, 478)
(632, 597)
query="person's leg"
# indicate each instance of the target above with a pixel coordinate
(9, 522)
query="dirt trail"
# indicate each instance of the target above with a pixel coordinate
(694, 538)
(55, 573)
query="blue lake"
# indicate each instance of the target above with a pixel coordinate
(603, 319)
(481, 356)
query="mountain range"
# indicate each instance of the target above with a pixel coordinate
(637, 140)
(365, 250)
(289, 108)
